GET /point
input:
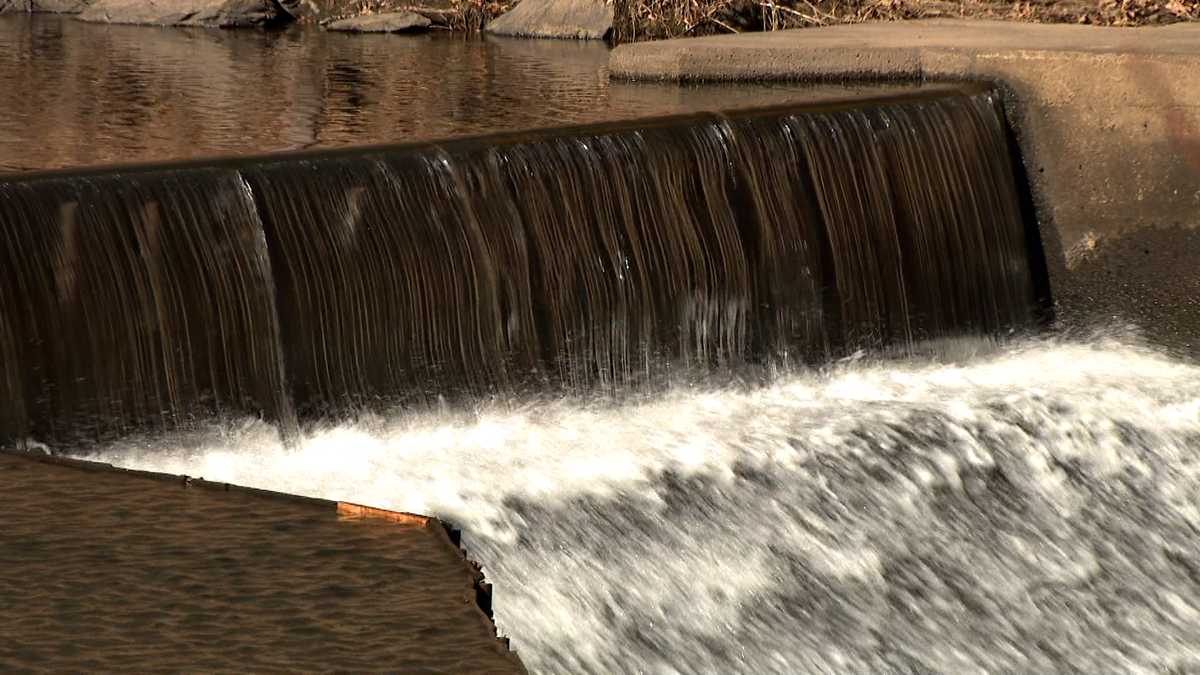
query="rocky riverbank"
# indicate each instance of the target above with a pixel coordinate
(446, 14)
(615, 20)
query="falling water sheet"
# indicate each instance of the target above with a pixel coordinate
(611, 258)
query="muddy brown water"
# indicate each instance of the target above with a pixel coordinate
(110, 571)
(162, 578)
(104, 571)
(1025, 506)
(81, 94)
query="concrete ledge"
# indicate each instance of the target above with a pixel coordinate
(350, 511)
(1108, 121)
(256, 504)
(895, 50)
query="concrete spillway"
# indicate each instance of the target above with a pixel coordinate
(608, 258)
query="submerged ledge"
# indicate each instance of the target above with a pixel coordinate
(111, 567)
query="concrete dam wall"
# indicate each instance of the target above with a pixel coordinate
(613, 258)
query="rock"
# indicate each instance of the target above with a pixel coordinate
(438, 17)
(240, 13)
(213, 13)
(395, 22)
(48, 6)
(579, 19)
(302, 10)
(60, 6)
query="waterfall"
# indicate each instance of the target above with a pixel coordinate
(606, 258)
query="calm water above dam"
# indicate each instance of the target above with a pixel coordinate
(939, 489)
(79, 93)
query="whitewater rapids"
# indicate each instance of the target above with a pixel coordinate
(1027, 507)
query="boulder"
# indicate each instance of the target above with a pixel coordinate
(212, 13)
(326, 11)
(444, 18)
(48, 6)
(303, 10)
(394, 22)
(578, 19)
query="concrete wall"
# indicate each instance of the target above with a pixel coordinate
(1108, 122)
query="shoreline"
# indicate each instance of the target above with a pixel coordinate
(627, 21)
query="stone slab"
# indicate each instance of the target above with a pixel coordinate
(392, 22)
(207, 13)
(46, 6)
(575, 19)
(1108, 122)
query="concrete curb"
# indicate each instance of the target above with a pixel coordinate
(1107, 119)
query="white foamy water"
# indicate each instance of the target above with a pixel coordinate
(1028, 508)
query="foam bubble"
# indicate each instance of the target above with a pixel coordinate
(1032, 507)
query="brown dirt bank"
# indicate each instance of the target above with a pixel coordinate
(106, 570)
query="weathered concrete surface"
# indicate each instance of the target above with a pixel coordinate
(212, 13)
(1108, 120)
(576, 19)
(392, 22)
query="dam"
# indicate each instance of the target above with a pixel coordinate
(314, 283)
(767, 387)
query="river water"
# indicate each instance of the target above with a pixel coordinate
(1028, 505)
(91, 94)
